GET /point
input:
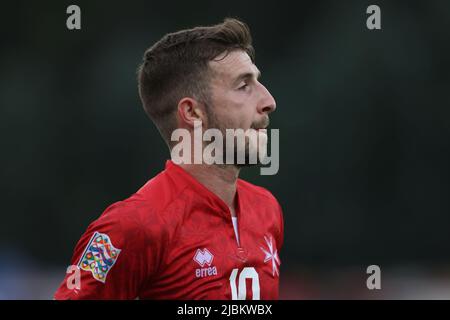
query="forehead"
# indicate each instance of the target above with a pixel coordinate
(228, 66)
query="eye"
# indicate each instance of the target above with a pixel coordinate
(243, 87)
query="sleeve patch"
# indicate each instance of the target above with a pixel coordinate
(99, 256)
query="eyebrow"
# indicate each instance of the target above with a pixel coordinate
(246, 75)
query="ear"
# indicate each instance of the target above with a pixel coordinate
(190, 110)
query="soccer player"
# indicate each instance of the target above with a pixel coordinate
(195, 231)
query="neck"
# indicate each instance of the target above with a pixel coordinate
(219, 179)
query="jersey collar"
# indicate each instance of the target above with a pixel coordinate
(182, 177)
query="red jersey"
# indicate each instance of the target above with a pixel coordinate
(174, 239)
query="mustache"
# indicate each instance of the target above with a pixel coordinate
(262, 124)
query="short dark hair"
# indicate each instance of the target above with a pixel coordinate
(177, 66)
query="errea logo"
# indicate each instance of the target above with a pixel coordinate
(204, 257)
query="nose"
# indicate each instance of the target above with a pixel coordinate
(267, 103)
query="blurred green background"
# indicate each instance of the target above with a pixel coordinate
(364, 125)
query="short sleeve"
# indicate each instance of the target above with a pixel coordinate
(113, 258)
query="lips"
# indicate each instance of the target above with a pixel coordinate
(263, 130)
(262, 125)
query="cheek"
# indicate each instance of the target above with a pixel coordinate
(234, 110)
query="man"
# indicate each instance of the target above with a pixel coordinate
(195, 231)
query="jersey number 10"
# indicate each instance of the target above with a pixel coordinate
(239, 292)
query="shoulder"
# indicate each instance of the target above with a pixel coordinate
(261, 193)
(130, 223)
(158, 193)
(260, 197)
(148, 212)
(270, 209)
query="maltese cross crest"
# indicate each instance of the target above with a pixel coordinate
(271, 255)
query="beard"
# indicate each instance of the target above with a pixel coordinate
(247, 149)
